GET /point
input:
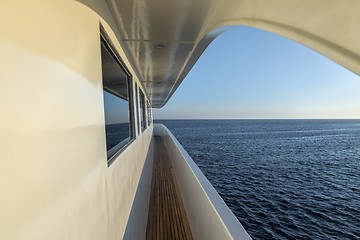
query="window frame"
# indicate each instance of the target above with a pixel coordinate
(148, 113)
(143, 111)
(115, 151)
(137, 108)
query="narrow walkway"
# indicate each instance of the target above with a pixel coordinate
(167, 217)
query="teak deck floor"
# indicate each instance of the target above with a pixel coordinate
(167, 218)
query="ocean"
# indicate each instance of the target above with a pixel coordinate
(283, 179)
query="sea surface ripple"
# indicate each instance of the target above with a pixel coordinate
(283, 179)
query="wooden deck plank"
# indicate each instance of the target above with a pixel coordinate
(167, 217)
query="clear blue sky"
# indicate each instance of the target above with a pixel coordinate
(116, 109)
(250, 73)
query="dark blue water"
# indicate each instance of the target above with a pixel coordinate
(115, 133)
(283, 179)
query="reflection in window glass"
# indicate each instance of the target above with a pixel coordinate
(116, 120)
(137, 109)
(142, 111)
(148, 110)
(116, 83)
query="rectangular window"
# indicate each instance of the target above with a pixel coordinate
(142, 111)
(137, 109)
(148, 111)
(117, 101)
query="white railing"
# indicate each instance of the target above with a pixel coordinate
(209, 217)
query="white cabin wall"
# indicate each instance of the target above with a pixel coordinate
(54, 178)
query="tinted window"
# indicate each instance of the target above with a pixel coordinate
(116, 83)
(116, 120)
(138, 115)
(142, 111)
(148, 110)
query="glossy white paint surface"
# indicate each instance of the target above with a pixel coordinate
(55, 182)
(209, 217)
(137, 223)
(186, 27)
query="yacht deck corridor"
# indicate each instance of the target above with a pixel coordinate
(167, 218)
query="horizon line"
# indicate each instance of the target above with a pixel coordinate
(256, 119)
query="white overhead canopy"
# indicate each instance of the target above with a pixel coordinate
(165, 38)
